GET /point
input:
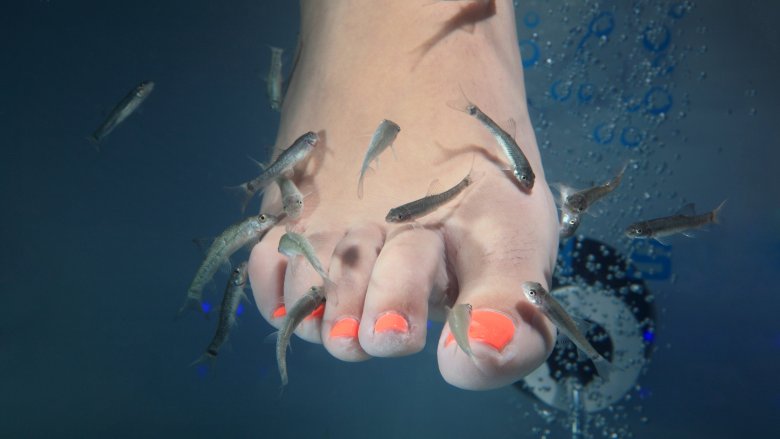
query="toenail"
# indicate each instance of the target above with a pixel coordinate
(318, 312)
(391, 321)
(280, 312)
(491, 328)
(448, 340)
(345, 327)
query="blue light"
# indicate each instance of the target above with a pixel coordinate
(429, 324)
(240, 309)
(529, 52)
(531, 19)
(648, 335)
(205, 306)
(644, 393)
(202, 370)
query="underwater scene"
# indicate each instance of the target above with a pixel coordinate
(560, 217)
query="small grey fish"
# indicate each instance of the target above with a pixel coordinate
(292, 244)
(124, 108)
(546, 303)
(579, 202)
(292, 198)
(295, 315)
(683, 222)
(521, 168)
(234, 293)
(570, 221)
(383, 137)
(459, 320)
(228, 242)
(274, 78)
(298, 151)
(425, 205)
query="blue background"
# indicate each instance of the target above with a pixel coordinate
(95, 250)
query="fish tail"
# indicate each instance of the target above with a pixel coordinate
(360, 186)
(207, 358)
(93, 139)
(241, 192)
(715, 214)
(191, 303)
(603, 367)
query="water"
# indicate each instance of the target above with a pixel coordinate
(96, 248)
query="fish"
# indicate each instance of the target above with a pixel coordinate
(459, 320)
(425, 205)
(546, 303)
(121, 111)
(579, 202)
(292, 198)
(295, 315)
(249, 230)
(570, 221)
(684, 222)
(520, 166)
(299, 150)
(234, 293)
(383, 137)
(274, 78)
(292, 244)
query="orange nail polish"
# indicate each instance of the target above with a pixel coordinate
(279, 312)
(345, 327)
(391, 321)
(318, 312)
(448, 341)
(491, 328)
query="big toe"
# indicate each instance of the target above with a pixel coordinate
(492, 255)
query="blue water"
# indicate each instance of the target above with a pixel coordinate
(96, 255)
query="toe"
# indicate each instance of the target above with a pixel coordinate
(350, 270)
(491, 256)
(300, 276)
(409, 272)
(266, 275)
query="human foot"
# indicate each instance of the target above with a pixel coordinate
(477, 249)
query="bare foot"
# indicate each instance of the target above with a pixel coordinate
(362, 62)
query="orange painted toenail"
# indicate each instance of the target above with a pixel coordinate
(280, 312)
(491, 328)
(391, 321)
(346, 327)
(318, 312)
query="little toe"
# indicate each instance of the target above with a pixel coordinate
(409, 271)
(492, 255)
(350, 270)
(266, 276)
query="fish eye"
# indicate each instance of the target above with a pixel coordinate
(262, 217)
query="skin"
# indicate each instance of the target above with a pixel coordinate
(479, 250)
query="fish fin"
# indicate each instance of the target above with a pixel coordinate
(462, 103)
(687, 210)
(509, 127)
(392, 149)
(564, 192)
(271, 338)
(202, 244)
(663, 240)
(689, 234)
(603, 367)
(432, 187)
(190, 304)
(206, 365)
(260, 165)
(715, 214)
(241, 192)
(94, 141)
(226, 267)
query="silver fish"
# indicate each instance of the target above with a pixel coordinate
(521, 168)
(295, 315)
(423, 206)
(570, 221)
(124, 108)
(292, 244)
(546, 303)
(383, 137)
(459, 320)
(234, 293)
(579, 202)
(274, 78)
(228, 242)
(683, 222)
(292, 198)
(298, 151)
